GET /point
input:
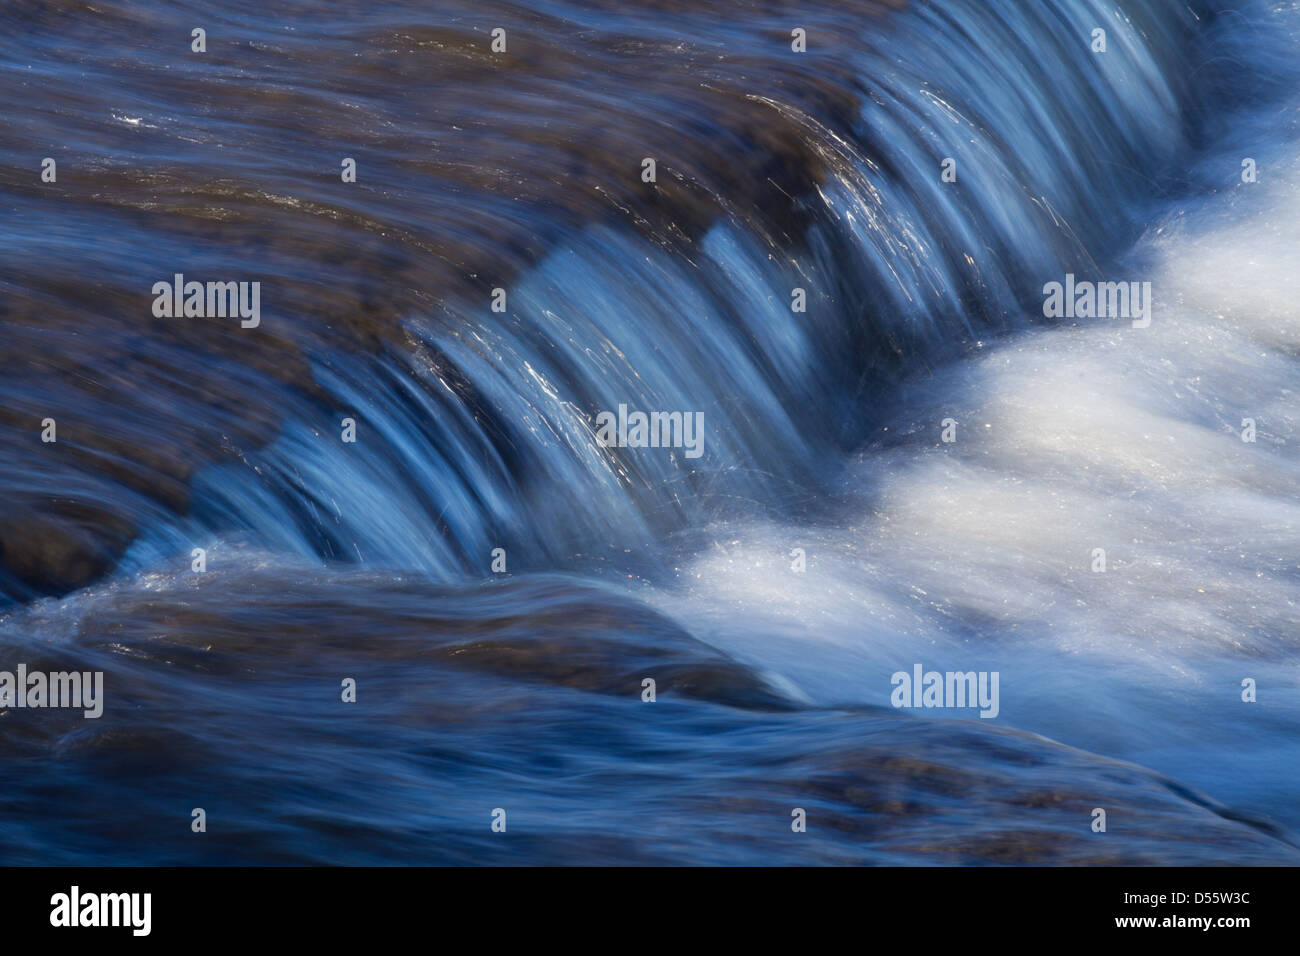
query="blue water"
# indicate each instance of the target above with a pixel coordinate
(522, 690)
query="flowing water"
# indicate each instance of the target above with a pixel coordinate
(476, 430)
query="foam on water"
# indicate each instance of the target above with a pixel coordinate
(977, 555)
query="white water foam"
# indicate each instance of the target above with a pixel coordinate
(977, 555)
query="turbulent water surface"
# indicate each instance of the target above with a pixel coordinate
(476, 430)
